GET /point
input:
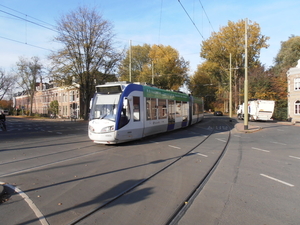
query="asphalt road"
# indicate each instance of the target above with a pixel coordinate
(257, 181)
(57, 174)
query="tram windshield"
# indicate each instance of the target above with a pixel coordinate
(105, 107)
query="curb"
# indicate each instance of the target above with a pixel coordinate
(251, 129)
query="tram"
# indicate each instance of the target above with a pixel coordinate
(123, 111)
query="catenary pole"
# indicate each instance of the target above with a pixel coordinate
(130, 61)
(230, 90)
(246, 78)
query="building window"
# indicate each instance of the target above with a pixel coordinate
(297, 107)
(297, 84)
(72, 96)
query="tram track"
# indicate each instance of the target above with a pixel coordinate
(189, 200)
(179, 212)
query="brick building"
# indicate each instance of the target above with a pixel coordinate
(67, 97)
(293, 78)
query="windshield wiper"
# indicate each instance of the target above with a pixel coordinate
(102, 117)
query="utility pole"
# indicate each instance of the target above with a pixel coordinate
(246, 78)
(230, 89)
(130, 61)
(152, 72)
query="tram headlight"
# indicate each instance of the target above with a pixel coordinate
(107, 129)
(92, 129)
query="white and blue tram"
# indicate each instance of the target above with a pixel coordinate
(122, 111)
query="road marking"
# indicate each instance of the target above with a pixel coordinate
(260, 149)
(280, 130)
(48, 164)
(59, 132)
(202, 155)
(237, 135)
(174, 147)
(278, 143)
(294, 157)
(280, 181)
(29, 202)
(219, 139)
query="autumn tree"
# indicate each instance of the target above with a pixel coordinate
(6, 83)
(287, 57)
(29, 71)
(54, 106)
(231, 39)
(260, 83)
(88, 55)
(139, 57)
(170, 70)
(159, 64)
(6, 104)
(203, 85)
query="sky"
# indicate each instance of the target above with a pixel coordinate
(26, 26)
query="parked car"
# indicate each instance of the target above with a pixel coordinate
(218, 113)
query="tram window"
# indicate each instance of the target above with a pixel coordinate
(185, 110)
(172, 111)
(125, 115)
(178, 108)
(195, 109)
(162, 109)
(148, 107)
(136, 108)
(153, 109)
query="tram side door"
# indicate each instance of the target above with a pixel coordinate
(138, 115)
(134, 129)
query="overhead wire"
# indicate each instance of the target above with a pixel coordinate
(20, 42)
(27, 15)
(206, 15)
(27, 20)
(161, 5)
(191, 19)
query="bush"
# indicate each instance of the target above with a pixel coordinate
(280, 111)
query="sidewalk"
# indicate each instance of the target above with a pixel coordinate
(47, 118)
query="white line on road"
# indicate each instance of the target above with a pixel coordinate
(280, 181)
(294, 157)
(278, 143)
(219, 139)
(174, 146)
(260, 149)
(30, 203)
(202, 155)
(48, 164)
(237, 135)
